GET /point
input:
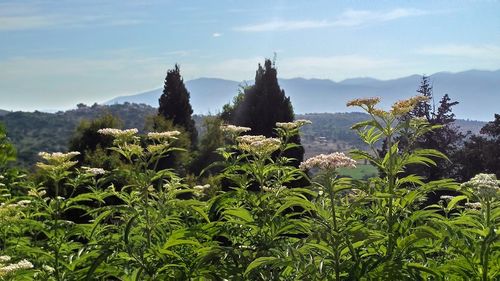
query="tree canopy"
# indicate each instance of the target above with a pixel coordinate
(174, 103)
(261, 105)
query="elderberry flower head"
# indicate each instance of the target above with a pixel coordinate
(293, 125)
(485, 186)
(235, 130)
(258, 145)
(328, 162)
(161, 136)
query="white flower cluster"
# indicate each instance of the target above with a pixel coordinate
(57, 161)
(7, 269)
(485, 186)
(58, 156)
(163, 135)
(4, 259)
(328, 162)
(232, 129)
(273, 189)
(20, 204)
(258, 145)
(475, 205)
(94, 171)
(47, 268)
(293, 125)
(36, 193)
(200, 189)
(117, 133)
(447, 197)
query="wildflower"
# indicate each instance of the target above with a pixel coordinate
(292, 125)
(156, 148)
(369, 102)
(258, 145)
(475, 205)
(446, 197)
(235, 130)
(58, 157)
(163, 135)
(485, 186)
(249, 139)
(117, 133)
(57, 161)
(24, 264)
(328, 162)
(378, 112)
(272, 189)
(404, 106)
(200, 189)
(23, 203)
(4, 259)
(94, 171)
(134, 149)
(47, 268)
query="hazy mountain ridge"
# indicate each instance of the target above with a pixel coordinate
(477, 91)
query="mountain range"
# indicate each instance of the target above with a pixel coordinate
(477, 91)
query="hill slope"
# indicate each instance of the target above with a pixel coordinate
(32, 132)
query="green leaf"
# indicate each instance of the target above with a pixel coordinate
(240, 213)
(258, 263)
(422, 268)
(454, 201)
(96, 263)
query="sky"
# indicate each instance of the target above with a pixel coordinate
(55, 54)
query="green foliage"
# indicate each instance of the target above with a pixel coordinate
(92, 145)
(480, 153)
(7, 151)
(32, 132)
(212, 139)
(447, 138)
(175, 159)
(260, 106)
(244, 224)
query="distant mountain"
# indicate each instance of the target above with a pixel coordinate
(477, 91)
(208, 95)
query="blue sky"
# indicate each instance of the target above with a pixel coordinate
(55, 54)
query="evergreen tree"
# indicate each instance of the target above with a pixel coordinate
(174, 104)
(446, 139)
(261, 106)
(481, 153)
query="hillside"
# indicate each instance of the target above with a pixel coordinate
(32, 132)
(477, 91)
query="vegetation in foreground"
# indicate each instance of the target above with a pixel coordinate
(138, 222)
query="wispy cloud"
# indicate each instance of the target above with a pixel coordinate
(467, 51)
(216, 34)
(349, 18)
(15, 17)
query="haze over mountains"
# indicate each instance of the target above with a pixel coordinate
(477, 91)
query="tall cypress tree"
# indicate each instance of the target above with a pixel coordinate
(262, 105)
(174, 104)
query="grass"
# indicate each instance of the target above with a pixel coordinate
(362, 171)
